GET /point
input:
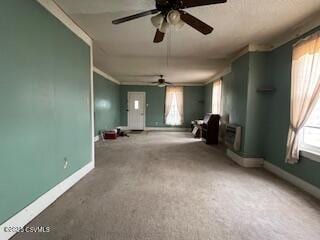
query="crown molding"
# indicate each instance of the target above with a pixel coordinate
(287, 36)
(292, 33)
(58, 12)
(298, 30)
(219, 75)
(251, 48)
(105, 75)
(154, 85)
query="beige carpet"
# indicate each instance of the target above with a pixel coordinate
(166, 185)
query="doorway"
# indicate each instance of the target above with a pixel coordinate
(136, 110)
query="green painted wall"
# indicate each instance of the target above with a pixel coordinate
(193, 104)
(106, 104)
(278, 117)
(208, 98)
(44, 102)
(246, 106)
(256, 112)
(155, 97)
(235, 93)
(265, 116)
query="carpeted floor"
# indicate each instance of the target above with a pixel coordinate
(167, 185)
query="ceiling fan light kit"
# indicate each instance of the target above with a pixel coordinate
(172, 13)
(173, 17)
(162, 85)
(157, 20)
(164, 26)
(179, 25)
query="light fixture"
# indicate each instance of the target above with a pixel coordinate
(179, 25)
(157, 20)
(173, 17)
(162, 85)
(164, 26)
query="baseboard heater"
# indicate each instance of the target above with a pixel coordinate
(233, 137)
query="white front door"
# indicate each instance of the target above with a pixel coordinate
(136, 110)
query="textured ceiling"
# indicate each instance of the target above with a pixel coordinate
(127, 52)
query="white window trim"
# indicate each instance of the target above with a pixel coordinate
(310, 152)
(314, 156)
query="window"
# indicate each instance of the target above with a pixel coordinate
(216, 97)
(136, 105)
(174, 106)
(310, 140)
(305, 96)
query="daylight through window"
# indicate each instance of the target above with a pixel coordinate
(174, 106)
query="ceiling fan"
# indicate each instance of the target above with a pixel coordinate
(170, 12)
(161, 82)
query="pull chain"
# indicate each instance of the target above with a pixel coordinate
(169, 42)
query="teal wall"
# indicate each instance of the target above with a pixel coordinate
(265, 116)
(234, 93)
(106, 104)
(44, 102)
(155, 100)
(278, 117)
(256, 112)
(208, 97)
(193, 104)
(245, 105)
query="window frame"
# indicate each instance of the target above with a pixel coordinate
(311, 152)
(178, 123)
(212, 94)
(178, 93)
(307, 150)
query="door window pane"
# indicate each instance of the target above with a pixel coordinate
(136, 105)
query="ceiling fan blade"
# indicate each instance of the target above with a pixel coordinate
(197, 3)
(196, 23)
(135, 16)
(159, 36)
(167, 83)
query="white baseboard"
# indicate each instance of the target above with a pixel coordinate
(173, 129)
(30, 212)
(96, 138)
(298, 182)
(245, 162)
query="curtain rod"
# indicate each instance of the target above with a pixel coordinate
(307, 38)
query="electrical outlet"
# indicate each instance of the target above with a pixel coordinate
(65, 163)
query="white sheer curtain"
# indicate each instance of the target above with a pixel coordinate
(174, 106)
(216, 97)
(305, 90)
